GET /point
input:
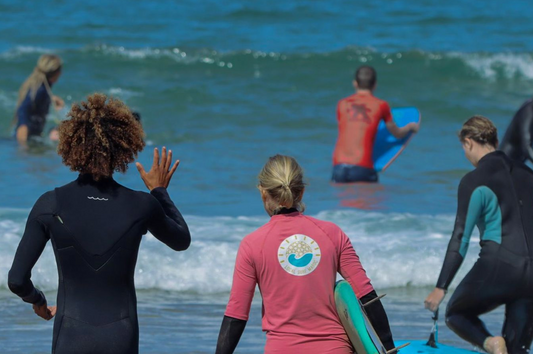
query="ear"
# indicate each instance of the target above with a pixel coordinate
(468, 144)
(355, 85)
(263, 194)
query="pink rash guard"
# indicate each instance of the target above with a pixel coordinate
(295, 259)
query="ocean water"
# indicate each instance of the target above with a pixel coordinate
(225, 85)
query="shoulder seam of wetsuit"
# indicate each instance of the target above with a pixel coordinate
(48, 213)
(56, 195)
(38, 219)
(324, 231)
(270, 226)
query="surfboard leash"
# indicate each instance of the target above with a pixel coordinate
(434, 336)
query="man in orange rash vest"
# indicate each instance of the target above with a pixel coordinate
(358, 116)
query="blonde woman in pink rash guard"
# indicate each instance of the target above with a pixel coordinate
(295, 259)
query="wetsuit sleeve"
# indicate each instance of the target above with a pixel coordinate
(378, 317)
(28, 252)
(526, 129)
(230, 334)
(166, 222)
(243, 288)
(386, 113)
(351, 269)
(469, 208)
(240, 301)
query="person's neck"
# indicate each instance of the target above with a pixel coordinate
(363, 92)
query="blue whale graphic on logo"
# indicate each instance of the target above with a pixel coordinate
(300, 262)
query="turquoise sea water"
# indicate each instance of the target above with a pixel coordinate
(227, 84)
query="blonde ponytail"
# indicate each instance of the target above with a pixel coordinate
(282, 179)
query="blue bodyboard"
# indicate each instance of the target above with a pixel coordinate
(420, 347)
(386, 147)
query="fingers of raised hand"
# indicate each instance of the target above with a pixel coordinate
(176, 164)
(156, 158)
(164, 157)
(168, 161)
(140, 168)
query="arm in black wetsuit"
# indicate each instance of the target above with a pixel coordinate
(167, 224)
(468, 211)
(526, 129)
(516, 142)
(378, 318)
(28, 252)
(230, 333)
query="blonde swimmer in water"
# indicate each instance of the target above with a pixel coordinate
(35, 97)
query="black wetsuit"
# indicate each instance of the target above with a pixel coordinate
(497, 197)
(518, 138)
(95, 229)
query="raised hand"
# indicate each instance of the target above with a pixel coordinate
(161, 172)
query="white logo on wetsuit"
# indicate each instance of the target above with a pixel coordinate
(299, 255)
(99, 199)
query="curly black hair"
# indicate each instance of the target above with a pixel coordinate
(102, 136)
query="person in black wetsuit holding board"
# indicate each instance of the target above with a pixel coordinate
(518, 138)
(96, 226)
(497, 197)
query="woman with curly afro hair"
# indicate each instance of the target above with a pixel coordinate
(96, 226)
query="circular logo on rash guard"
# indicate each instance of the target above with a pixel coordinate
(299, 255)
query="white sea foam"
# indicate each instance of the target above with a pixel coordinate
(490, 66)
(396, 250)
(23, 50)
(497, 65)
(122, 93)
(487, 65)
(205, 56)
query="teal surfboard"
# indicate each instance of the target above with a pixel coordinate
(386, 147)
(363, 337)
(420, 347)
(355, 322)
